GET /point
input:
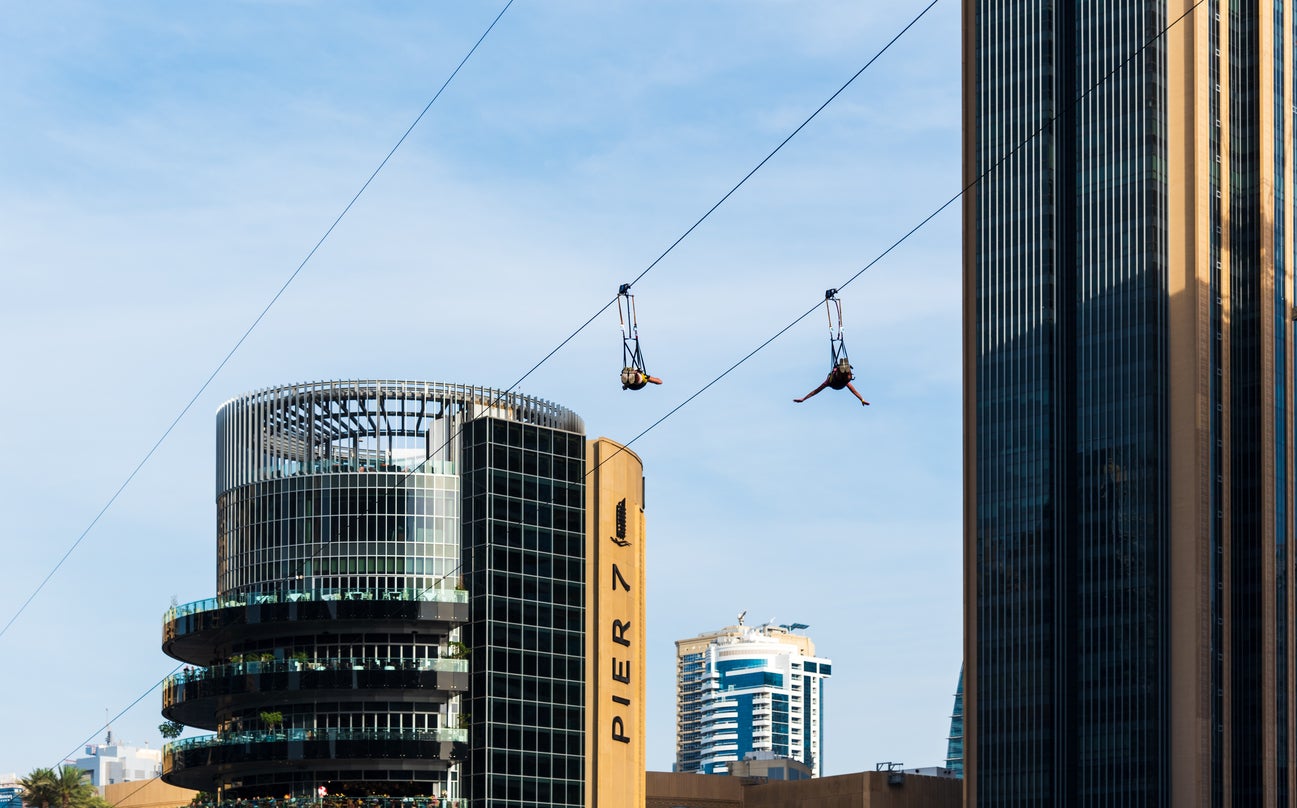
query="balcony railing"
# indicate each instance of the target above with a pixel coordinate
(186, 696)
(218, 672)
(434, 595)
(444, 735)
(335, 801)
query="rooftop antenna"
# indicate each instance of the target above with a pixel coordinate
(108, 740)
(742, 615)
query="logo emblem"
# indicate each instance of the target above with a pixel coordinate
(620, 539)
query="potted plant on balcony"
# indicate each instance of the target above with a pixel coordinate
(273, 719)
(457, 650)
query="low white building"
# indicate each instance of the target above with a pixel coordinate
(112, 762)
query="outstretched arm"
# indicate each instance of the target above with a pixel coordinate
(823, 385)
(652, 379)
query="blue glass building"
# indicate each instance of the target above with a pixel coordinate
(1129, 454)
(955, 741)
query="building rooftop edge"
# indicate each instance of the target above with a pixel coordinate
(496, 396)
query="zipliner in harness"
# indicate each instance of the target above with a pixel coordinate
(840, 366)
(634, 376)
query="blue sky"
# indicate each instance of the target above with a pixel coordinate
(165, 166)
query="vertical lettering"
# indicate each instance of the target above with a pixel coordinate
(619, 630)
(622, 700)
(617, 576)
(621, 670)
(619, 730)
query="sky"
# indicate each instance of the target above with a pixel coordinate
(166, 167)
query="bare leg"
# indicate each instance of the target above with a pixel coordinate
(853, 389)
(813, 392)
(653, 379)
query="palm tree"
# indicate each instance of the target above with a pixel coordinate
(72, 787)
(65, 788)
(38, 787)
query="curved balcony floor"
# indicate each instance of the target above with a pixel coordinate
(205, 762)
(194, 632)
(197, 698)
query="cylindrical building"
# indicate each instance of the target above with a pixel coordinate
(331, 655)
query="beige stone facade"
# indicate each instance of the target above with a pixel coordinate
(615, 614)
(147, 794)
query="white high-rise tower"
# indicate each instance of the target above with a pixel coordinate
(747, 689)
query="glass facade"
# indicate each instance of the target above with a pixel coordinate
(1074, 138)
(955, 740)
(525, 545)
(1070, 273)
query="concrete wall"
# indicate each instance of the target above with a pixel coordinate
(668, 790)
(859, 790)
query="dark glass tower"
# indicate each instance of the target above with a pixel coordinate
(1128, 355)
(525, 549)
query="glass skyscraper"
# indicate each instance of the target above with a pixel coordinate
(1128, 349)
(955, 740)
(747, 689)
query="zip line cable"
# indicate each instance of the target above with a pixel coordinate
(922, 223)
(239, 343)
(687, 232)
(143, 785)
(784, 142)
(124, 711)
(977, 180)
(695, 225)
(348, 207)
